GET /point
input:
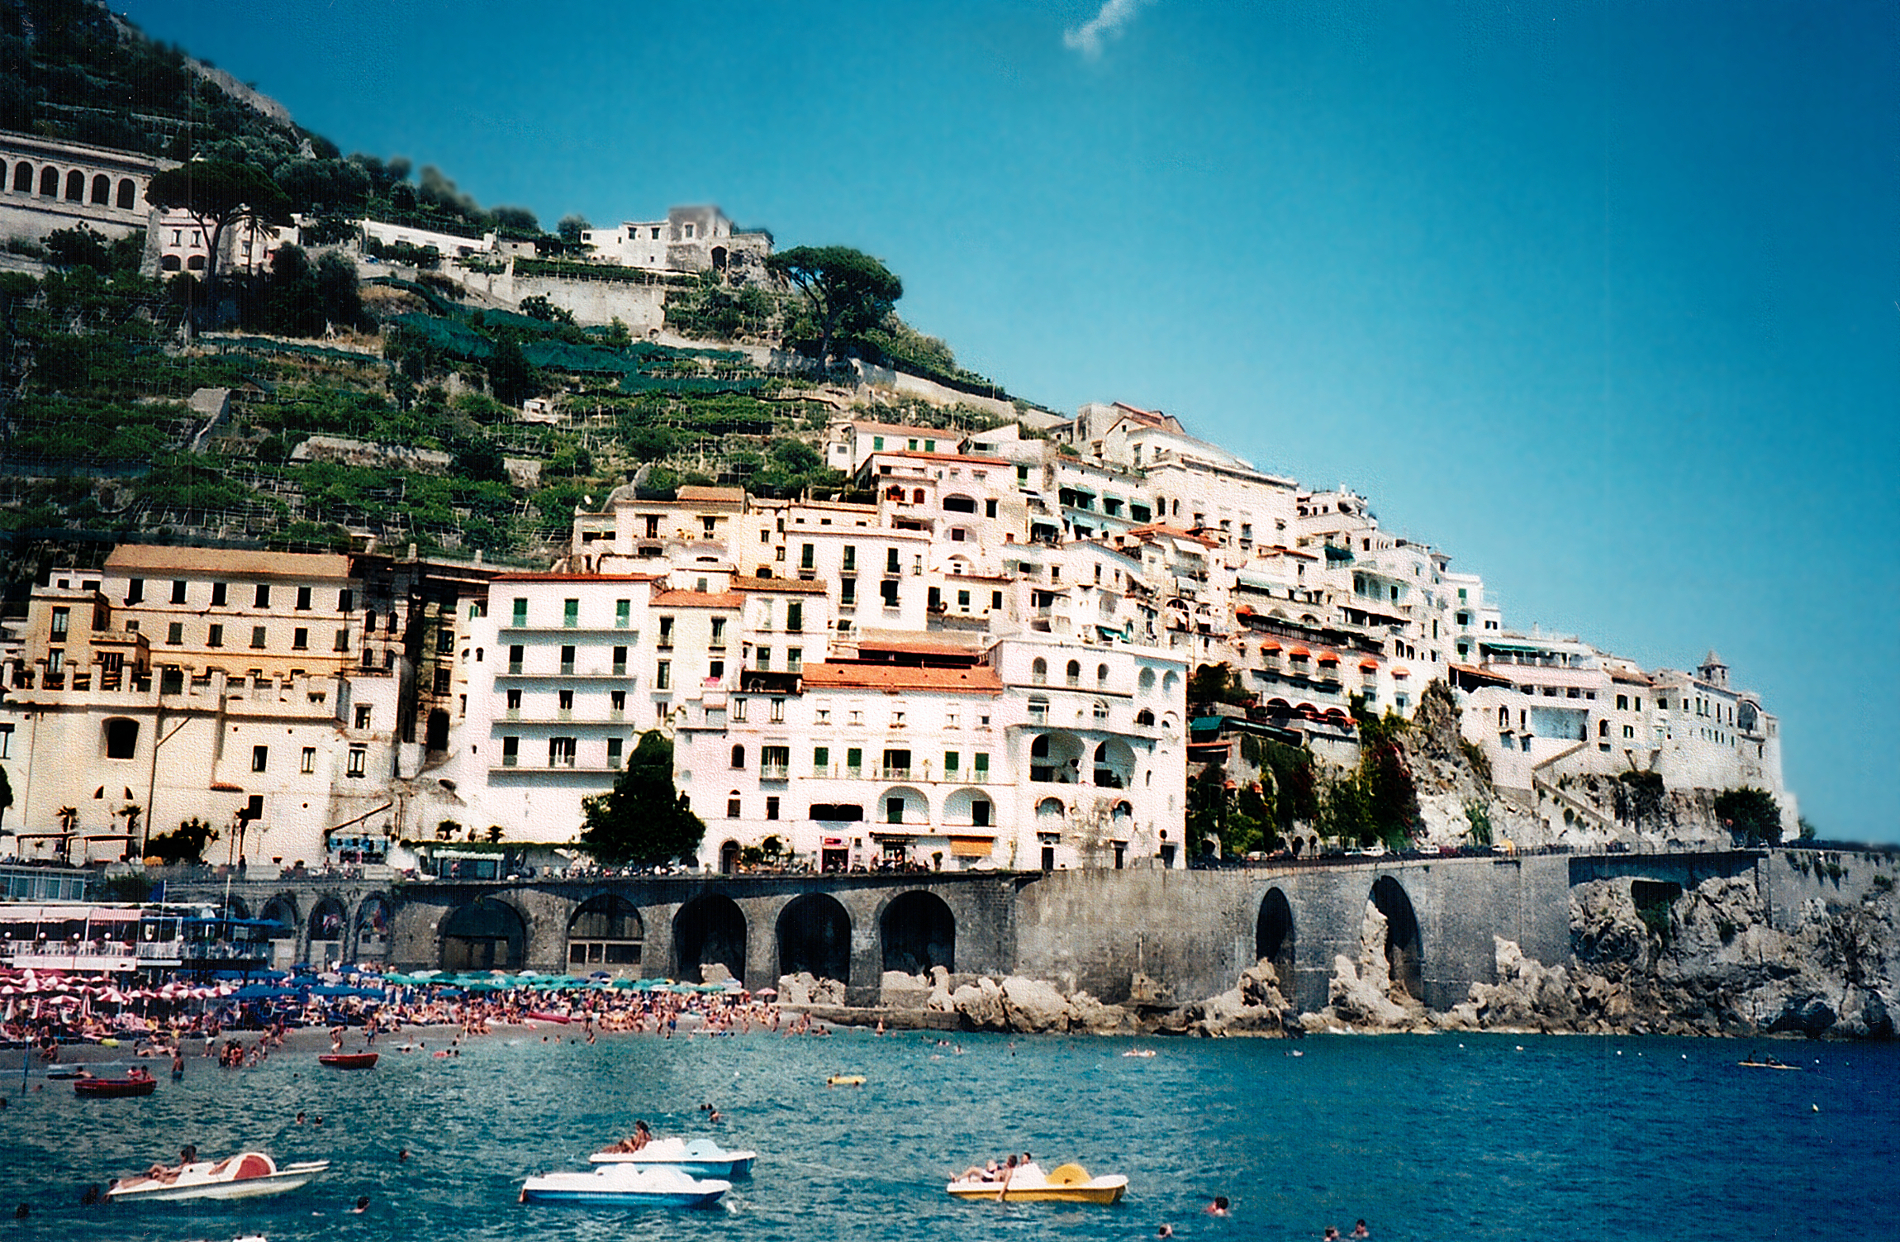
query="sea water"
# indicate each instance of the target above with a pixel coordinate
(1426, 1137)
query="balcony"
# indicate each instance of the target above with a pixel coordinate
(775, 771)
(893, 774)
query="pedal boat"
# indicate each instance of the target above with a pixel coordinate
(1066, 1183)
(700, 1157)
(136, 1083)
(247, 1175)
(625, 1185)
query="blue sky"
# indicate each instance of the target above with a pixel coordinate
(1603, 299)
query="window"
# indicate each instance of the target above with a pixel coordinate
(847, 591)
(567, 660)
(715, 669)
(850, 557)
(175, 633)
(122, 738)
(617, 702)
(820, 760)
(1039, 672)
(444, 641)
(178, 591)
(442, 681)
(950, 717)
(308, 763)
(300, 639)
(794, 659)
(260, 598)
(515, 654)
(260, 758)
(891, 562)
(303, 599)
(135, 591)
(894, 811)
(620, 661)
(666, 633)
(342, 639)
(363, 714)
(214, 637)
(6, 741)
(795, 616)
(663, 675)
(989, 508)
(718, 632)
(1101, 676)
(1075, 672)
(739, 708)
(889, 592)
(510, 751)
(950, 764)
(1101, 711)
(732, 807)
(514, 702)
(623, 613)
(777, 713)
(520, 616)
(346, 599)
(257, 638)
(561, 752)
(764, 661)
(62, 623)
(570, 613)
(359, 759)
(614, 745)
(1038, 709)
(738, 756)
(775, 761)
(853, 762)
(771, 807)
(807, 556)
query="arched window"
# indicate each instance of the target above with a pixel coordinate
(122, 738)
(1101, 676)
(171, 263)
(49, 182)
(195, 263)
(1039, 672)
(1101, 711)
(1075, 672)
(1603, 728)
(738, 756)
(75, 186)
(23, 178)
(1147, 681)
(917, 496)
(102, 190)
(1039, 748)
(128, 194)
(1145, 718)
(1504, 717)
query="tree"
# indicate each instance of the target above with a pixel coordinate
(510, 378)
(218, 194)
(186, 845)
(571, 227)
(644, 820)
(848, 291)
(1751, 814)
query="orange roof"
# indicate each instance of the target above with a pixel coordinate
(981, 461)
(553, 577)
(233, 561)
(980, 679)
(933, 432)
(698, 599)
(1173, 532)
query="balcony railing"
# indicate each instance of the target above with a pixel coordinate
(775, 771)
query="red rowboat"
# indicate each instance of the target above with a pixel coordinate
(348, 1060)
(138, 1082)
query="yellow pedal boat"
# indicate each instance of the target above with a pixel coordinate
(1067, 1183)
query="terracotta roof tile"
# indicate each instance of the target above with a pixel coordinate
(980, 679)
(698, 599)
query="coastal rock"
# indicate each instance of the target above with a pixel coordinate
(1253, 1006)
(980, 1005)
(1090, 1016)
(1528, 995)
(804, 989)
(897, 990)
(714, 972)
(1362, 1002)
(940, 999)
(1032, 1006)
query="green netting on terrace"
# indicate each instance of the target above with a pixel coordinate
(448, 335)
(650, 351)
(681, 384)
(509, 319)
(564, 356)
(246, 344)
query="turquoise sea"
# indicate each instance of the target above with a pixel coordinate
(1440, 1137)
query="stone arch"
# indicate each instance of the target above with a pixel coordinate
(235, 907)
(325, 927)
(719, 258)
(75, 186)
(961, 808)
(49, 181)
(814, 935)
(23, 178)
(607, 933)
(282, 910)
(1114, 764)
(1055, 758)
(913, 805)
(486, 934)
(709, 930)
(101, 190)
(128, 194)
(375, 915)
(1273, 936)
(1403, 948)
(918, 932)
(956, 502)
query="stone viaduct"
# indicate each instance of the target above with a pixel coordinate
(1191, 932)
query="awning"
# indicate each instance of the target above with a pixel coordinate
(1401, 674)
(1270, 645)
(1208, 722)
(1299, 653)
(971, 847)
(1327, 657)
(1369, 666)
(1108, 631)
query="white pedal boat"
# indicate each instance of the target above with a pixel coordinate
(625, 1185)
(246, 1175)
(700, 1157)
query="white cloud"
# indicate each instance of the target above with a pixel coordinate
(1089, 36)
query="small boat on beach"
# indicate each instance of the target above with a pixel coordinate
(135, 1082)
(1066, 1183)
(700, 1157)
(625, 1185)
(247, 1175)
(547, 1015)
(348, 1060)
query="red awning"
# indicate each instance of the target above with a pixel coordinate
(1369, 666)
(1400, 673)
(1270, 645)
(1299, 653)
(1327, 657)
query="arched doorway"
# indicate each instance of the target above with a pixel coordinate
(373, 919)
(438, 731)
(281, 910)
(728, 857)
(814, 935)
(1273, 935)
(486, 935)
(709, 930)
(918, 932)
(327, 920)
(606, 933)
(1402, 947)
